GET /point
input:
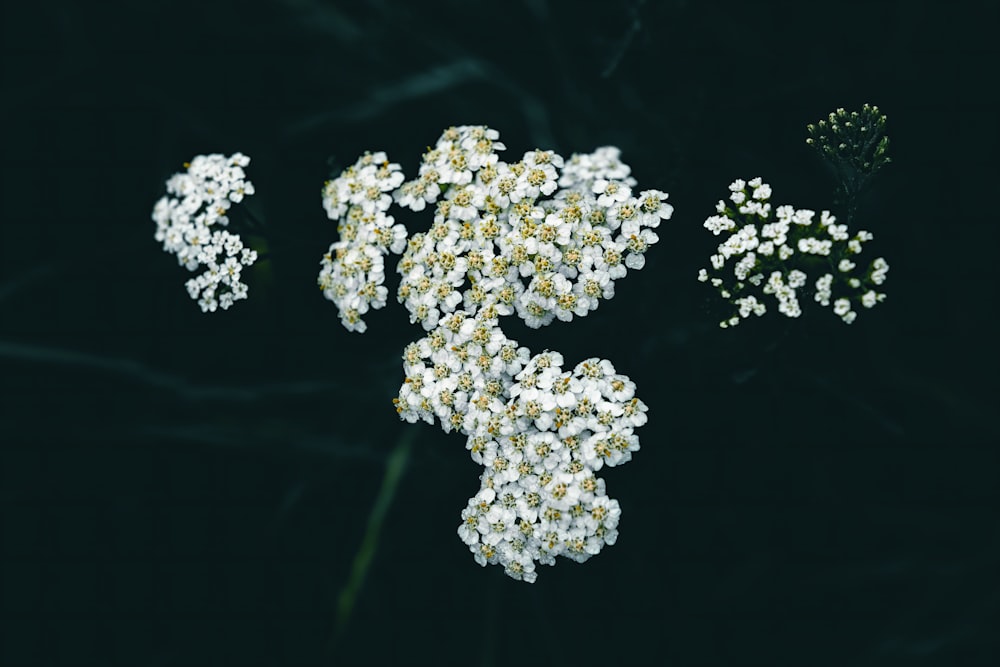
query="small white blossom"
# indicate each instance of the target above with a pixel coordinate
(765, 251)
(814, 246)
(879, 270)
(718, 224)
(189, 221)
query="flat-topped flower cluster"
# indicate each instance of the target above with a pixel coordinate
(543, 238)
(541, 434)
(189, 221)
(774, 253)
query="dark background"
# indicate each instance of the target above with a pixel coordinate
(186, 489)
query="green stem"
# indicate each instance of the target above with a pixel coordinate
(394, 468)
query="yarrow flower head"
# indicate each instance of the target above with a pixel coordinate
(783, 253)
(190, 221)
(353, 270)
(542, 237)
(541, 434)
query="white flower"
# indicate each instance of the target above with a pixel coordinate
(581, 170)
(654, 207)
(837, 232)
(770, 250)
(750, 304)
(188, 221)
(814, 246)
(718, 224)
(879, 270)
(610, 192)
(804, 216)
(762, 192)
(823, 289)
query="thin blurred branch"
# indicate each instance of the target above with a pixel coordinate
(394, 469)
(383, 98)
(532, 107)
(974, 412)
(324, 17)
(888, 424)
(634, 27)
(154, 378)
(279, 433)
(438, 78)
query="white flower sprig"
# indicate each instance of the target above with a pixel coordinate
(353, 270)
(188, 221)
(776, 255)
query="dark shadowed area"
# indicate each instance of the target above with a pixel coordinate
(183, 489)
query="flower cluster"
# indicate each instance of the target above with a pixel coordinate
(853, 141)
(188, 221)
(541, 434)
(543, 237)
(539, 496)
(776, 254)
(855, 147)
(459, 373)
(353, 270)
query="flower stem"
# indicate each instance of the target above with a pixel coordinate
(394, 468)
